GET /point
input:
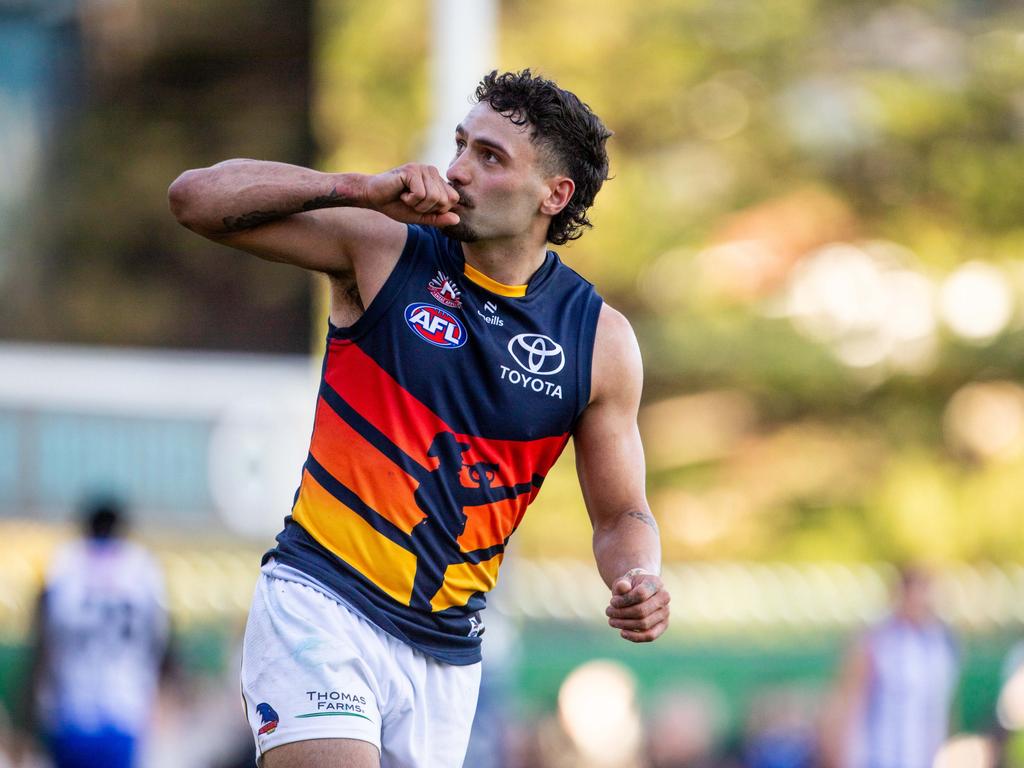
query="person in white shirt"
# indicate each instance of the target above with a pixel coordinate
(99, 639)
(897, 685)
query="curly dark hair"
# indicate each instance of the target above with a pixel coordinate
(570, 135)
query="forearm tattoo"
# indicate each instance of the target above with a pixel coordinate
(646, 518)
(329, 200)
(255, 218)
(250, 220)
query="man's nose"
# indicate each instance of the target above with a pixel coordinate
(458, 172)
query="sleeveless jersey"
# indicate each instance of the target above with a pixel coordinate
(440, 412)
(106, 631)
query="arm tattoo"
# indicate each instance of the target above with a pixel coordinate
(329, 200)
(249, 220)
(645, 518)
(255, 218)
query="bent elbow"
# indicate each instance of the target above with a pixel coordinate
(182, 196)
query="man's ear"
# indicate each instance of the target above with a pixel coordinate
(560, 190)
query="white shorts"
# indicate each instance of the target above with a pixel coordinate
(314, 669)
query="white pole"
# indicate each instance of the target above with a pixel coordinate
(464, 49)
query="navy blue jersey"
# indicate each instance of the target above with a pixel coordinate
(440, 412)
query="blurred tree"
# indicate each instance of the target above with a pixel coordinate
(814, 225)
(852, 155)
(796, 183)
(162, 87)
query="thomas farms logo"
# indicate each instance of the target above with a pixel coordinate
(336, 704)
(435, 326)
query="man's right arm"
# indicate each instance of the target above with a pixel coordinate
(327, 222)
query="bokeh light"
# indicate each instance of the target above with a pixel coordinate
(966, 751)
(598, 709)
(976, 301)
(986, 419)
(1010, 709)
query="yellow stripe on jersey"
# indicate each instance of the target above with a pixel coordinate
(492, 285)
(463, 580)
(346, 534)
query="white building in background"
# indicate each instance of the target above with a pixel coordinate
(183, 437)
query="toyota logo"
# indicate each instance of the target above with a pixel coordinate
(537, 353)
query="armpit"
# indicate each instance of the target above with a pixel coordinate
(346, 302)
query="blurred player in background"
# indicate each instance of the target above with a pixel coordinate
(893, 699)
(99, 640)
(462, 355)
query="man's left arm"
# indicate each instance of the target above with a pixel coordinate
(610, 464)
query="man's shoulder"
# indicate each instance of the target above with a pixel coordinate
(615, 336)
(617, 367)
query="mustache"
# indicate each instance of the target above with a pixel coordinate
(464, 200)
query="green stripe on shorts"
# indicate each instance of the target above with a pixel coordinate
(334, 714)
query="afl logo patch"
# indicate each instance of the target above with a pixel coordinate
(435, 326)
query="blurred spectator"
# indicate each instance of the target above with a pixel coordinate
(99, 640)
(683, 728)
(780, 729)
(893, 699)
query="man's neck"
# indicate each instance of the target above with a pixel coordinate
(511, 262)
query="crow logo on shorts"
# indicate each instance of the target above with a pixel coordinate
(268, 717)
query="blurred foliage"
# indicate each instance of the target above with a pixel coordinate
(155, 88)
(750, 139)
(814, 226)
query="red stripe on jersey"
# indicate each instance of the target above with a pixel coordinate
(375, 395)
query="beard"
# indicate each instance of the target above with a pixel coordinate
(462, 232)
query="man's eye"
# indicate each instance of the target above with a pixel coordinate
(490, 157)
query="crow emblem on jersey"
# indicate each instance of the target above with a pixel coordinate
(445, 290)
(435, 326)
(268, 718)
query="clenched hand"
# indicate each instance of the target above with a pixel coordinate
(413, 194)
(639, 606)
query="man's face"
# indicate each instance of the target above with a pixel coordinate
(498, 175)
(914, 600)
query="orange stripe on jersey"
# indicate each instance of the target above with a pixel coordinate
(364, 470)
(463, 580)
(490, 524)
(347, 535)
